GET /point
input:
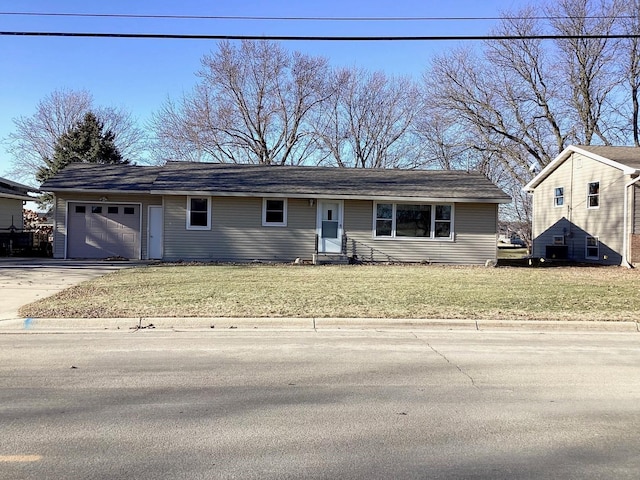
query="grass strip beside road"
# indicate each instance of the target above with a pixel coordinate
(374, 291)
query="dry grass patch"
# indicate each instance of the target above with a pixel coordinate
(412, 291)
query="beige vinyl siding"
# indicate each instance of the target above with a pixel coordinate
(237, 233)
(60, 215)
(475, 227)
(574, 220)
(10, 207)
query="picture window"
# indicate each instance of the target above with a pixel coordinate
(413, 220)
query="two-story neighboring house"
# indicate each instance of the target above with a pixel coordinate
(586, 206)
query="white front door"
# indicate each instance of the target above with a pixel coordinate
(155, 232)
(330, 226)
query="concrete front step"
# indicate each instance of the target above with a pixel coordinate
(330, 258)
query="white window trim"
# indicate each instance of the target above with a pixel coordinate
(284, 213)
(431, 238)
(586, 247)
(198, 227)
(556, 197)
(589, 195)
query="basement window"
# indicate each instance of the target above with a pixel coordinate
(593, 248)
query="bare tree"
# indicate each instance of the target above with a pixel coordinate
(630, 46)
(514, 104)
(368, 120)
(251, 106)
(587, 65)
(35, 136)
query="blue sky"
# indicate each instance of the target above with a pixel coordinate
(139, 74)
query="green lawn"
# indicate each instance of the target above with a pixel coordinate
(412, 291)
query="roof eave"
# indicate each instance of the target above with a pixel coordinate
(388, 198)
(18, 196)
(96, 190)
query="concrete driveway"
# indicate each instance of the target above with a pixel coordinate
(25, 280)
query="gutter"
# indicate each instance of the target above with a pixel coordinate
(625, 234)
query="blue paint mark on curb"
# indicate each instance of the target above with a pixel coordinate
(27, 323)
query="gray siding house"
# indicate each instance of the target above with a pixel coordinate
(586, 206)
(224, 212)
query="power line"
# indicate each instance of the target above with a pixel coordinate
(312, 38)
(314, 19)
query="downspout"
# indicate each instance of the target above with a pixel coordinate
(625, 235)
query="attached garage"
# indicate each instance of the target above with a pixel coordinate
(102, 230)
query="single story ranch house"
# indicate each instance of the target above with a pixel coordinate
(241, 213)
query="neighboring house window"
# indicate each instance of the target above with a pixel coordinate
(593, 248)
(593, 195)
(558, 197)
(198, 213)
(558, 239)
(274, 212)
(413, 220)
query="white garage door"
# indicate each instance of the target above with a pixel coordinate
(98, 230)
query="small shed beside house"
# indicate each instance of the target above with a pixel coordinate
(241, 213)
(586, 206)
(13, 195)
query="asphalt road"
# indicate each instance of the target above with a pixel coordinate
(323, 405)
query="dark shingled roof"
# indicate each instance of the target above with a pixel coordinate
(231, 179)
(629, 156)
(9, 189)
(94, 177)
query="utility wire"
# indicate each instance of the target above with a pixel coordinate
(312, 38)
(314, 19)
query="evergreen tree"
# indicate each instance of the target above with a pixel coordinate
(85, 142)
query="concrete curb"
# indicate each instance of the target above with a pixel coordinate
(72, 325)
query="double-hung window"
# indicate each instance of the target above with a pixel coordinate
(408, 220)
(593, 195)
(592, 248)
(558, 197)
(198, 213)
(274, 212)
